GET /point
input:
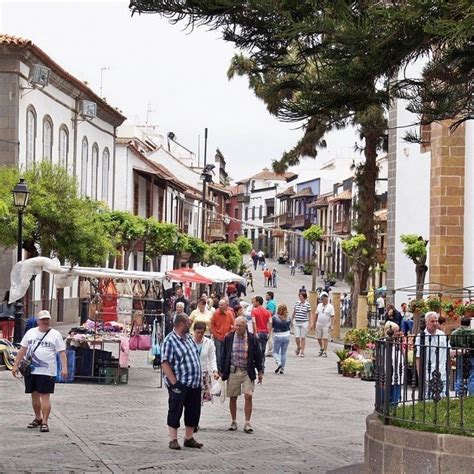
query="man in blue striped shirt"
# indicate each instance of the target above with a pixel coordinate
(182, 371)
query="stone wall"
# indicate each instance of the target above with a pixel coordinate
(389, 449)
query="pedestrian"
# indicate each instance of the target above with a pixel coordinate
(179, 309)
(7, 317)
(263, 321)
(324, 321)
(254, 257)
(300, 318)
(281, 337)
(407, 320)
(222, 322)
(271, 306)
(393, 315)
(182, 370)
(251, 325)
(250, 280)
(302, 289)
(274, 277)
(292, 266)
(380, 302)
(242, 361)
(180, 298)
(201, 314)
(207, 357)
(40, 345)
(267, 276)
(462, 339)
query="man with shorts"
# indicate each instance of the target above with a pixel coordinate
(182, 370)
(40, 344)
(242, 359)
(324, 318)
(300, 318)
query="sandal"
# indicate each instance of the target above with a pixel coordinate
(34, 424)
(44, 428)
(302, 354)
(297, 352)
(248, 428)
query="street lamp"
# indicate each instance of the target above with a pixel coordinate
(20, 199)
(206, 177)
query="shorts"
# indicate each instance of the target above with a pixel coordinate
(188, 400)
(39, 383)
(300, 329)
(322, 332)
(239, 382)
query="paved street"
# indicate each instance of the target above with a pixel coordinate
(309, 419)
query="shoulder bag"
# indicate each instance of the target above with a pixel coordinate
(25, 364)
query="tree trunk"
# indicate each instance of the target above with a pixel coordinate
(356, 290)
(315, 271)
(420, 270)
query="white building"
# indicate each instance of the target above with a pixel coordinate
(48, 114)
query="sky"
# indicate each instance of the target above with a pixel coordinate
(179, 76)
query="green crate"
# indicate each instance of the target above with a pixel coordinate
(108, 375)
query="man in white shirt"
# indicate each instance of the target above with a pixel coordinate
(40, 344)
(380, 306)
(324, 318)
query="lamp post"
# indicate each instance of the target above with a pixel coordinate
(20, 199)
(206, 177)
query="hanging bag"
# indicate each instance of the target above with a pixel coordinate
(139, 342)
(108, 292)
(25, 364)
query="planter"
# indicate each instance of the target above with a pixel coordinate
(469, 314)
(339, 368)
(349, 374)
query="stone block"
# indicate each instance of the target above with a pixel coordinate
(374, 460)
(393, 457)
(461, 445)
(452, 191)
(419, 462)
(456, 464)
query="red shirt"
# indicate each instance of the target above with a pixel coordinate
(261, 316)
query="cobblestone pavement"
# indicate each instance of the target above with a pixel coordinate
(309, 419)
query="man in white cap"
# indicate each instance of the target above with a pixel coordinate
(40, 345)
(324, 318)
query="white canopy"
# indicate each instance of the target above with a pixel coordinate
(217, 274)
(64, 275)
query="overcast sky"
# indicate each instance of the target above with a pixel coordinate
(181, 74)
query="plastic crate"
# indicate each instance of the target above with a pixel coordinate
(108, 375)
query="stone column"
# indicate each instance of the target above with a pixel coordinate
(447, 204)
(362, 308)
(336, 327)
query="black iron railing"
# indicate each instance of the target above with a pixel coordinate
(425, 382)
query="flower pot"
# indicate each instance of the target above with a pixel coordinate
(469, 314)
(351, 375)
(339, 368)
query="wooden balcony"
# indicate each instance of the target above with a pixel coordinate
(269, 219)
(285, 220)
(245, 198)
(342, 228)
(301, 222)
(215, 230)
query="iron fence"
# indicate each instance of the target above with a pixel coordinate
(426, 382)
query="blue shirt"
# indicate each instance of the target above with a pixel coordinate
(182, 354)
(280, 325)
(271, 306)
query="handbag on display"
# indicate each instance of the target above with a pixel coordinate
(125, 302)
(95, 307)
(138, 294)
(108, 292)
(139, 342)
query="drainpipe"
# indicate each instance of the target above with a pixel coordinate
(74, 135)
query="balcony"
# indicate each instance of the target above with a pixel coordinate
(245, 198)
(342, 228)
(285, 220)
(301, 222)
(215, 230)
(269, 219)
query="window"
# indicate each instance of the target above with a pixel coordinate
(84, 165)
(253, 212)
(30, 136)
(95, 170)
(246, 213)
(105, 174)
(236, 212)
(47, 139)
(260, 212)
(63, 148)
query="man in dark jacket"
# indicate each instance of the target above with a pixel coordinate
(241, 359)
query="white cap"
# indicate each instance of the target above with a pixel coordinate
(324, 294)
(44, 314)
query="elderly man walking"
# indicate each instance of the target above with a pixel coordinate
(242, 359)
(182, 370)
(324, 320)
(40, 345)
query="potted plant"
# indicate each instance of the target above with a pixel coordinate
(361, 337)
(469, 309)
(448, 307)
(418, 306)
(342, 354)
(351, 367)
(433, 304)
(308, 268)
(331, 278)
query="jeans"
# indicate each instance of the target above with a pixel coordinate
(280, 348)
(219, 347)
(467, 385)
(262, 339)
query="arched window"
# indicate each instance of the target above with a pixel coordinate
(84, 165)
(63, 149)
(95, 170)
(105, 174)
(47, 138)
(30, 136)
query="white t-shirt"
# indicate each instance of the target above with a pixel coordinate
(324, 314)
(44, 357)
(380, 302)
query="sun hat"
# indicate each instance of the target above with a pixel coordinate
(44, 314)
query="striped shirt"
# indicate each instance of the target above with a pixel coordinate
(240, 349)
(302, 312)
(182, 354)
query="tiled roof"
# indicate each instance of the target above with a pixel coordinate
(287, 192)
(306, 192)
(267, 174)
(344, 196)
(26, 44)
(322, 201)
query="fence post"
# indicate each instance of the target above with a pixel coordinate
(422, 371)
(388, 375)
